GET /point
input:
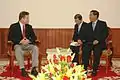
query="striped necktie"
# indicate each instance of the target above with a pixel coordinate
(24, 29)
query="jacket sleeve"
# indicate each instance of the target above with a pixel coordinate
(74, 34)
(32, 36)
(104, 33)
(12, 34)
(83, 33)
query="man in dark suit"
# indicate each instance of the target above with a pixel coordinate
(23, 37)
(95, 37)
(78, 36)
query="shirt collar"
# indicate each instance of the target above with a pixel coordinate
(80, 24)
(95, 21)
(20, 24)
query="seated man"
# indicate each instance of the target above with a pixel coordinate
(96, 35)
(78, 36)
(23, 37)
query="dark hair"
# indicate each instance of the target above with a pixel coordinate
(95, 12)
(78, 16)
(23, 14)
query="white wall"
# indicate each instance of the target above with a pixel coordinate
(58, 13)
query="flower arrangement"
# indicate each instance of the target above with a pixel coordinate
(60, 67)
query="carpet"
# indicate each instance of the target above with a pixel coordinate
(113, 73)
(5, 73)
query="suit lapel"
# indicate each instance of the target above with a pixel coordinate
(76, 28)
(80, 28)
(91, 27)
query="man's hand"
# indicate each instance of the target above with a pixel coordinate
(95, 42)
(27, 41)
(24, 41)
(79, 41)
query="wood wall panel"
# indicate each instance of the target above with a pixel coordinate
(51, 38)
(3, 42)
(116, 41)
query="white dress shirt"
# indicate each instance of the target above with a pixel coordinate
(94, 24)
(21, 26)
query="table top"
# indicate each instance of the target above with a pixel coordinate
(54, 50)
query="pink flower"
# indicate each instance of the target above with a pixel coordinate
(54, 56)
(69, 58)
(62, 58)
(55, 61)
(72, 65)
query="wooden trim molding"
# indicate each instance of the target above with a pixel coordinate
(56, 37)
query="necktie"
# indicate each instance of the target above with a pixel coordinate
(23, 31)
(93, 25)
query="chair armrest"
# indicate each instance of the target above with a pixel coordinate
(109, 42)
(10, 42)
(9, 47)
(42, 54)
(37, 41)
(107, 52)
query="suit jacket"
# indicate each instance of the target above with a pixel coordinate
(79, 35)
(100, 33)
(15, 33)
